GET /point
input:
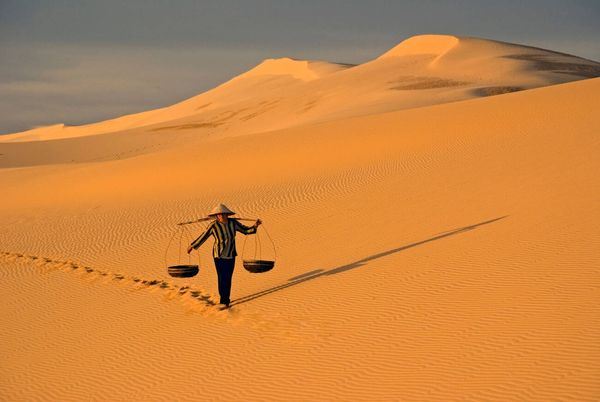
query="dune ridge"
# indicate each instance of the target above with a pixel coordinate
(437, 45)
(285, 92)
(305, 70)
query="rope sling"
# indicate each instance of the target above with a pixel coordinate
(258, 265)
(182, 270)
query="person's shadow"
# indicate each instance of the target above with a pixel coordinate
(314, 274)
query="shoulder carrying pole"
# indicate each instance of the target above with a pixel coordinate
(210, 218)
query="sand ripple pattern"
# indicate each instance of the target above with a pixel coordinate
(441, 254)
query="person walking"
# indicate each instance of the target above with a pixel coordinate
(223, 230)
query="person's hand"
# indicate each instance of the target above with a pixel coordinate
(189, 250)
(258, 222)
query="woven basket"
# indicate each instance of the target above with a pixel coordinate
(258, 266)
(183, 271)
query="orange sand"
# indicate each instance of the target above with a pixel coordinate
(443, 252)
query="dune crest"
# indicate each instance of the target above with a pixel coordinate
(423, 44)
(305, 70)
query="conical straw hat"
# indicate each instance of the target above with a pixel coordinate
(221, 209)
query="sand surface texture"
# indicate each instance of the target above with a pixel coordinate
(445, 249)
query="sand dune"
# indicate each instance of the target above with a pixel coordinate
(278, 93)
(447, 252)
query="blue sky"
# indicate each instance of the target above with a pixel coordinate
(81, 61)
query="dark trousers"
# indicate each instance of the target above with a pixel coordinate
(224, 268)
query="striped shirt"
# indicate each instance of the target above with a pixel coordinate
(224, 234)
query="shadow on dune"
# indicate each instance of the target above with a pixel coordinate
(545, 62)
(314, 274)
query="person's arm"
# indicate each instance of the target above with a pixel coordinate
(246, 229)
(201, 239)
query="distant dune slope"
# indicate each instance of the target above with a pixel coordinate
(278, 93)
